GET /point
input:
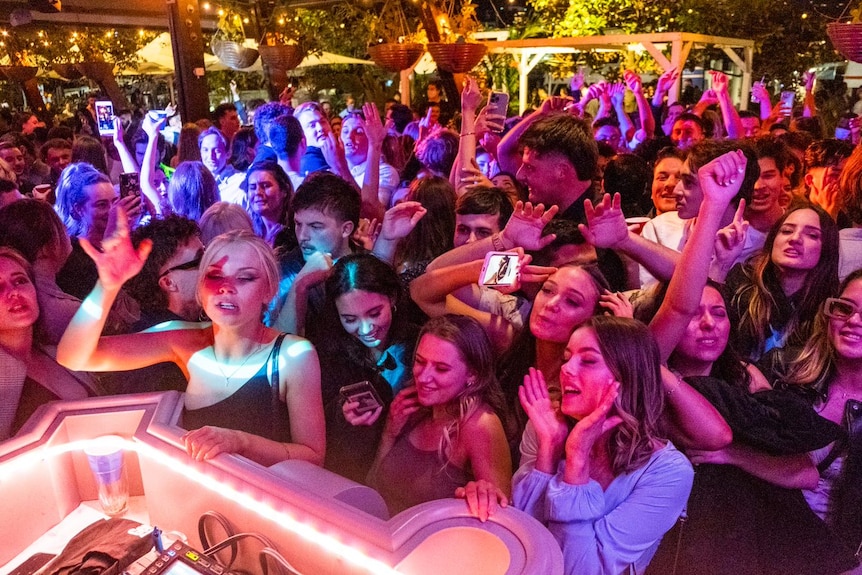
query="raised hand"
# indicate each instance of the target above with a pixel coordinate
(721, 179)
(366, 233)
(633, 81)
(719, 82)
(483, 498)
(616, 304)
(471, 177)
(588, 430)
(405, 404)
(708, 98)
(374, 128)
(667, 80)
(471, 96)
(548, 422)
(524, 228)
(488, 123)
(400, 220)
(286, 95)
(760, 93)
(617, 94)
(554, 104)
(118, 131)
(606, 224)
(808, 79)
(118, 261)
(577, 81)
(152, 126)
(730, 240)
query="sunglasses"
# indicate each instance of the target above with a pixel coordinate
(841, 309)
(189, 265)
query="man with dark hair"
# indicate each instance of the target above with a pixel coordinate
(326, 212)
(214, 155)
(57, 154)
(608, 130)
(226, 119)
(750, 123)
(286, 137)
(688, 130)
(767, 201)
(263, 116)
(166, 289)
(400, 115)
(480, 213)
(823, 162)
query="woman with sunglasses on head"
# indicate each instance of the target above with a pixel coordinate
(829, 367)
(251, 390)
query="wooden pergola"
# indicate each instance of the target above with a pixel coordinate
(528, 53)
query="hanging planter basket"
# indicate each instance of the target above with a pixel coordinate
(233, 54)
(847, 39)
(18, 73)
(281, 58)
(457, 58)
(97, 71)
(67, 71)
(396, 57)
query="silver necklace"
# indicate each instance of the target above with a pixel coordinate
(227, 378)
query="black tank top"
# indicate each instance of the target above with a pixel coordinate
(254, 408)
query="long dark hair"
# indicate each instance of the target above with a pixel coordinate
(434, 233)
(284, 185)
(820, 283)
(359, 272)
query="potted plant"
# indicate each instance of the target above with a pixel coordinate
(394, 47)
(847, 36)
(454, 52)
(228, 43)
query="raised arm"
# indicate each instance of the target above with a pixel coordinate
(788, 471)
(647, 120)
(398, 222)
(732, 122)
(373, 205)
(809, 109)
(81, 348)
(152, 127)
(126, 158)
(470, 98)
(291, 317)
(720, 180)
(618, 99)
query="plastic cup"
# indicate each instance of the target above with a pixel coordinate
(105, 456)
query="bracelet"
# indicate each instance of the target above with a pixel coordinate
(468, 134)
(497, 241)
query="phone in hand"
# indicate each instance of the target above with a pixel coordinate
(500, 269)
(498, 103)
(787, 98)
(362, 393)
(105, 118)
(130, 184)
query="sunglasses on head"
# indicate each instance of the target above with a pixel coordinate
(189, 265)
(837, 308)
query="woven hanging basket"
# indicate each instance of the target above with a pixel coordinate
(396, 57)
(457, 58)
(18, 73)
(233, 54)
(847, 39)
(67, 71)
(277, 61)
(98, 71)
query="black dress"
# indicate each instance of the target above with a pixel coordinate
(254, 408)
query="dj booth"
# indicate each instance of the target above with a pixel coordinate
(319, 522)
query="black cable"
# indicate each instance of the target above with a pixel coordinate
(270, 553)
(225, 524)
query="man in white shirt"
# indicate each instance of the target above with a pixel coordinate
(214, 155)
(355, 142)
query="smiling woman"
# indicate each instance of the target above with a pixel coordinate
(447, 429)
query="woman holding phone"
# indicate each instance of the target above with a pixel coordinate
(447, 428)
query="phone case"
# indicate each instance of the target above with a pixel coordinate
(500, 269)
(364, 393)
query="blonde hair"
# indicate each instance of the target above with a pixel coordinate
(223, 217)
(266, 259)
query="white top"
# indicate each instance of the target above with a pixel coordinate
(849, 251)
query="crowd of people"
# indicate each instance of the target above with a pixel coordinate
(686, 296)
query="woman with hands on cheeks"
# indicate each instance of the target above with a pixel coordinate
(446, 429)
(601, 476)
(251, 391)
